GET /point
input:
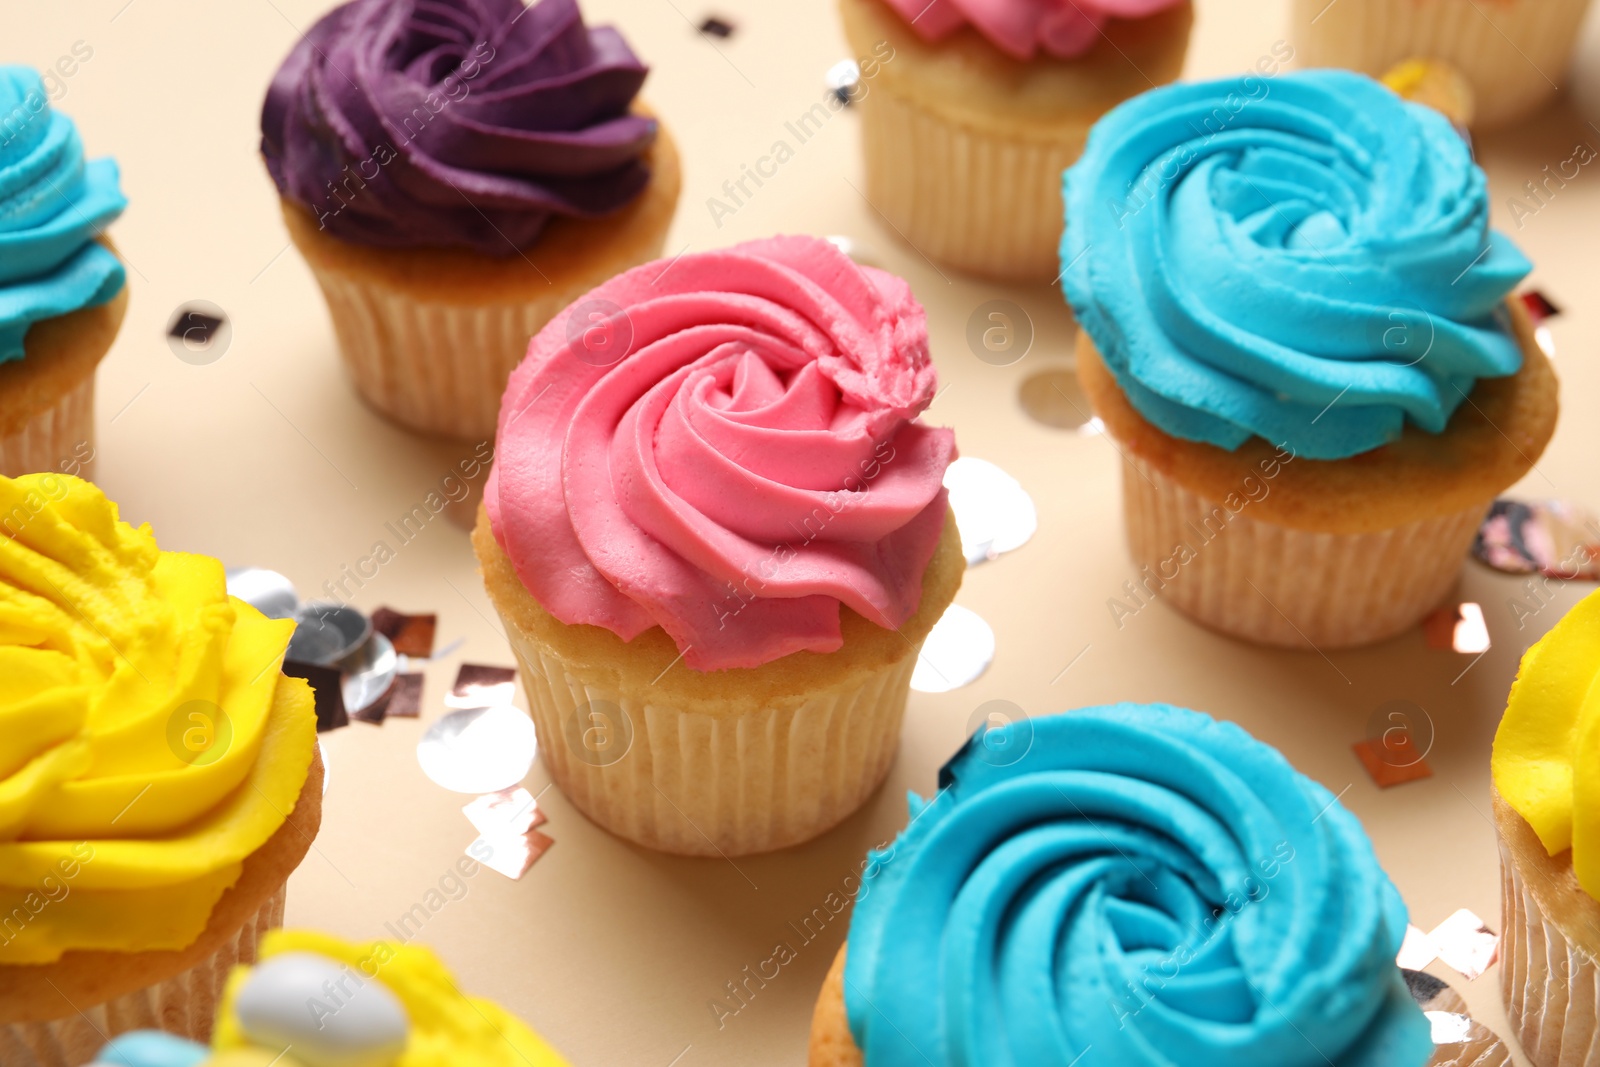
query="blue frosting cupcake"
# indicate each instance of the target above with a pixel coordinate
(53, 204)
(1132, 885)
(1297, 325)
(61, 288)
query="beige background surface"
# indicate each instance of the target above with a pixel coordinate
(265, 457)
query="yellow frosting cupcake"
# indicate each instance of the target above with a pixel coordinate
(157, 778)
(1547, 812)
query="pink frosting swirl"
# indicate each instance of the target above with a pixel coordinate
(1062, 28)
(726, 446)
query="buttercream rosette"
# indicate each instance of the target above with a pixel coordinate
(727, 447)
(1307, 260)
(148, 742)
(1131, 884)
(469, 124)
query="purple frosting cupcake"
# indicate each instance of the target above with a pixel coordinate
(465, 124)
(455, 172)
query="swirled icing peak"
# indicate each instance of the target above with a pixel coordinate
(53, 204)
(148, 742)
(1061, 28)
(1306, 259)
(462, 123)
(1139, 880)
(726, 446)
(1544, 749)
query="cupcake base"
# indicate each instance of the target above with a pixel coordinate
(1549, 948)
(1275, 585)
(429, 336)
(965, 196)
(964, 145)
(698, 784)
(722, 763)
(185, 1004)
(61, 1014)
(47, 397)
(1513, 52)
(1297, 552)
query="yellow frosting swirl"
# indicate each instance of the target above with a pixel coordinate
(148, 741)
(447, 1027)
(1550, 729)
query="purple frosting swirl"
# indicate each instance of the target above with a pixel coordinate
(464, 123)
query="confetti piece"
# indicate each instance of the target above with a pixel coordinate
(1392, 759)
(478, 686)
(411, 635)
(327, 684)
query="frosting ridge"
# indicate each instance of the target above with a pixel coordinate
(727, 446)
(402, 123)
(1306, 259)
(1551, 727)
(148, 744)
(1139, 879)
(53, 204)
(1061, 28)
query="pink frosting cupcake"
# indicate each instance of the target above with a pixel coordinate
(717, 534)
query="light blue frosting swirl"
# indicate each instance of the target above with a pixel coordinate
(52, 206)
(151, 1048)
(1136, 885)
(1306, 259)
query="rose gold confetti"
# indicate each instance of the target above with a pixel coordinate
(1439, 628)
(1392, 759)
(411, 635)
(510, 811)
(1555, 538)
(1540, 307)
(511, 855)
(478, 686)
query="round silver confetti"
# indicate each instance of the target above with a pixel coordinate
(368, 673)
(328, 633)
(267, 591)
(1054, 398)
(993, 512)
(479, 750)
(855, 250)
(958, 650)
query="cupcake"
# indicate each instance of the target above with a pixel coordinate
(1297, 329)
(159, 777)
(62, 291)
(1514, 53)
(717, 535)
(1132, 885)
(314, 1001)
(456, 173)
(1547, 813)
(972, 108)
